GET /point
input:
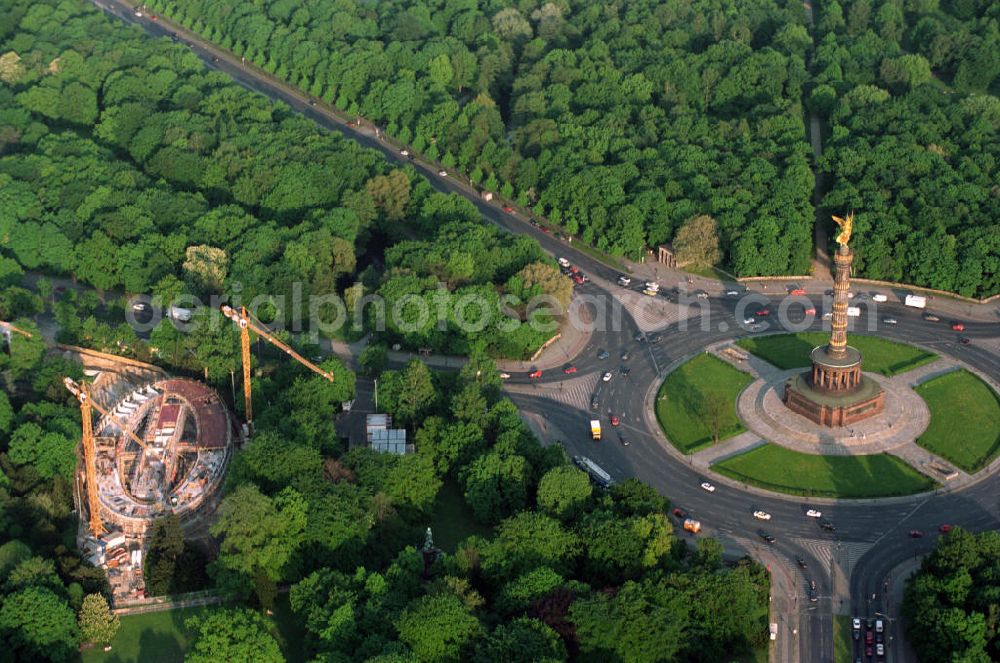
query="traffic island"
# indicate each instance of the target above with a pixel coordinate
(773, 467)
(696, 404)
(965, 420)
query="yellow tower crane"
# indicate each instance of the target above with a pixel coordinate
(82, 393)
(246, 323)
(12, 328)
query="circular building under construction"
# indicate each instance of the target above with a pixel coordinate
(170, 457)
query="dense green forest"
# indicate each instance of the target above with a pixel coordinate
(125, 164)
(618, 121)
(950, 604)
(909, 90)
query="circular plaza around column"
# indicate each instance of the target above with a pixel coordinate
(904, 419)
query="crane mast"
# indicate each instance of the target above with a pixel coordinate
(82, 394)
(246, 323)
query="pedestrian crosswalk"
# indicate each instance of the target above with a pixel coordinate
(652, 313)
(575, 392)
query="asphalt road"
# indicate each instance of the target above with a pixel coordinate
(878, 531)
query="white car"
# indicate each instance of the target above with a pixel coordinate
(879, 297)
(709, 487)
(749, 321)
(443, 173)
(813, 513)
(606, 377)
(405, 153)
(761, 515)
(624, 281)
(827, 315)
(505, 376)
(856, 624)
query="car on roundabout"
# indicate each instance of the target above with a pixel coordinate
(957, 326)
(603, 354)
(828, 526)
(607, 376)
(801, 562)
(761, 515)
(767, 537)
(569, 369)
(535, 374)
(813, 513)
(623, 440)
(615, 421)
(707, 486)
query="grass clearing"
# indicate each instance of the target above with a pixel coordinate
(162, 636)
(698, 400)
(880, 356)
(843, 642)
(965, 420)
(452, 520)
(153, 636)
(776, 468)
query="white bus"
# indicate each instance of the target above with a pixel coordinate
(596, 472)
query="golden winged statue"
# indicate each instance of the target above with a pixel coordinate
(844, 236)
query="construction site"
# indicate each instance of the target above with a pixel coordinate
(153, 445)
(156, 445)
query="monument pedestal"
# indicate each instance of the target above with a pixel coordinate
(835, 393)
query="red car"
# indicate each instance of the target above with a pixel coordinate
(944, 529)
(573, 269)
(537, 373)
(508, 209)
(763, 312)
(678, 513)
(569, 369)
(957, 326)
(797, 292)
(545, 230)
(615, 420)
(869, 639)
(578, 279)
(152, 17)
(916, 534)
(810, 311)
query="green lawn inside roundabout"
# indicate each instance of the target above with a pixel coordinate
(697, 403)
(965, 420)
(880, 356)
(782, 470)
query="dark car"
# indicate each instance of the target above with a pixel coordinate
(623, 440)
(828, 526)
(594, 404)
(813, 598)
(603, 354)
(625, 370)
(916, 534)
(964, 340)
(655, 338)
(639, 337)
(678, 513)
(625, 355)
(767, 537)
(801, 562)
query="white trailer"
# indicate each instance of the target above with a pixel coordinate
(853, 312)
(916, 301)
